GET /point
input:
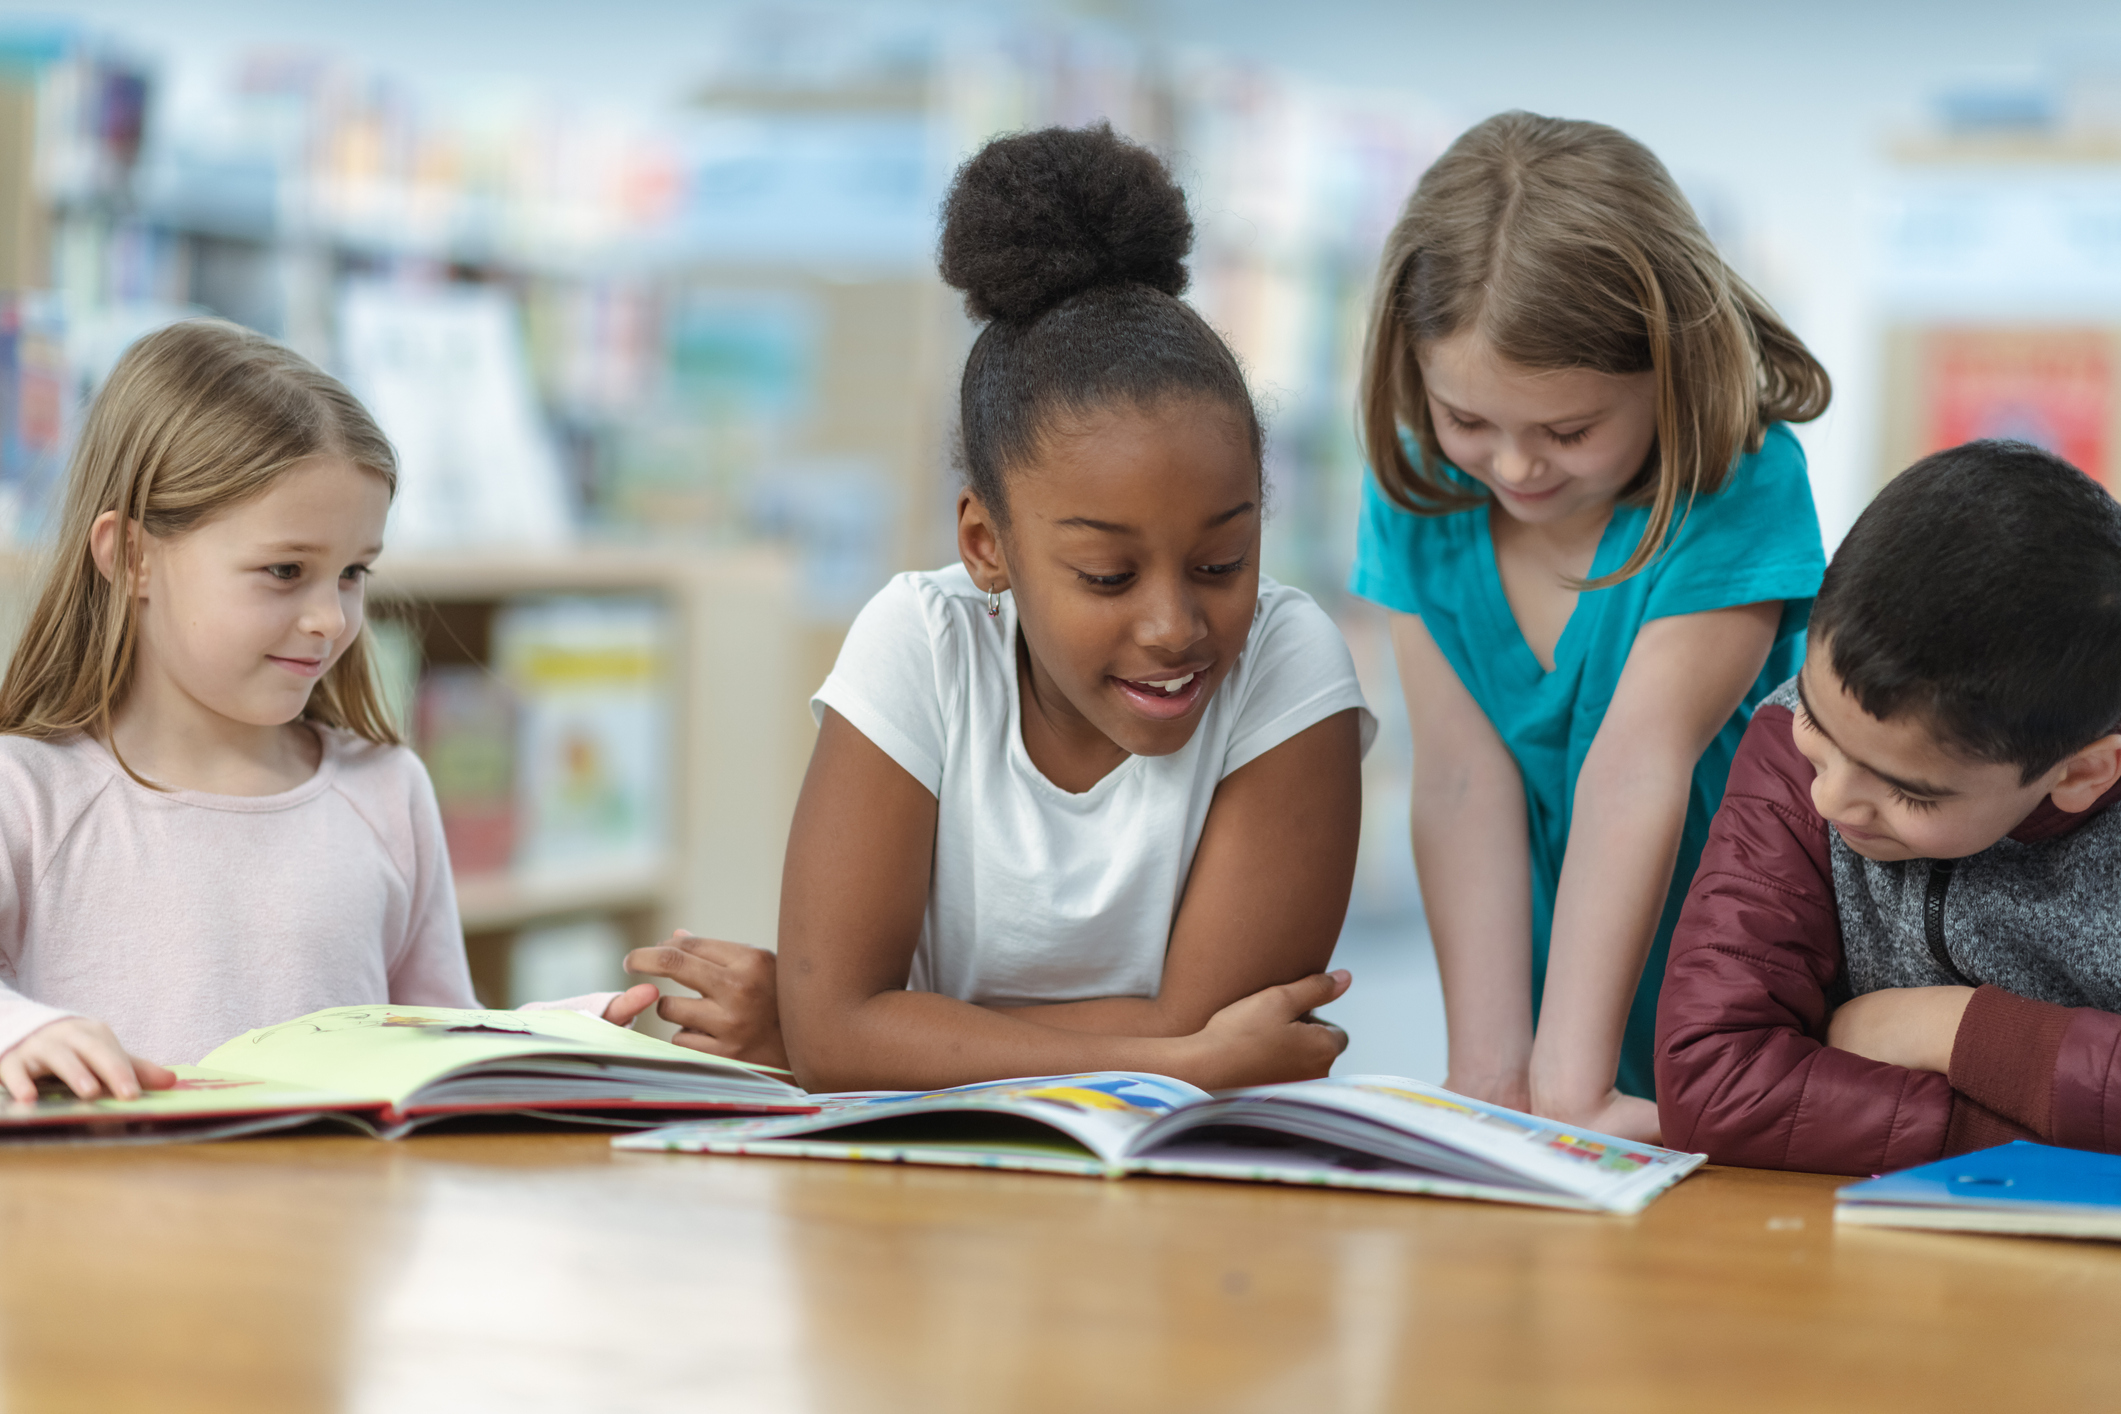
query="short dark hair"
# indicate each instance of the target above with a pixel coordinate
(1982, 590)
(1071, 244)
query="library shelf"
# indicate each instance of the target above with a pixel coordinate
(741, 734)
(500, 901)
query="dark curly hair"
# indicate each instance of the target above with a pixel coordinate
(1070, 243)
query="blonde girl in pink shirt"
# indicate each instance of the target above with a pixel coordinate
(207, 822)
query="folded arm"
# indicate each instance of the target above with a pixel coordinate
(854, 891)
(2054, 1071)
(1266, 895)
(1744, 1068)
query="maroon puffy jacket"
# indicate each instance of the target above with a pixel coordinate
(1743, 1069)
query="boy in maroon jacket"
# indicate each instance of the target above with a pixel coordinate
(1904, 940)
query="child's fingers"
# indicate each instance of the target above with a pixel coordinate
(1314, 991)
(152, 1076)
(15, 1076)
(62, 1061)
(112, 1068)
(623, 1008)
(697, 1014)
(711, 1045)
(675, 963)
(739, 956)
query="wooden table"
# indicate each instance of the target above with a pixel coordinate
(535, 1272)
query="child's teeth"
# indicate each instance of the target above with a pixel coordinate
(1173, 685)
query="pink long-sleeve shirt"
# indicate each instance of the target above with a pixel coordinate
(182, 919)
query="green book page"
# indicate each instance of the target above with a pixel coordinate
(394, 1051)
(199, 1093)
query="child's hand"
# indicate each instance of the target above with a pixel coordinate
(737, 1012)
(1911, 1026)
(1271, 1037)
(631, 1003)
(1607, 1111)
(1622, 1116)
(1511, 1091)
(83, 1053)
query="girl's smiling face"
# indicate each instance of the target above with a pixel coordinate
(244, 614)
(1132, 552)
(1551, 444)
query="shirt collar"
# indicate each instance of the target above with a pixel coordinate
(2049, 821)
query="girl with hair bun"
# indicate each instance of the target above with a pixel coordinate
(1596, 533)
(1087, 799)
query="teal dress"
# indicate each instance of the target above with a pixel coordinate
(1755, 540)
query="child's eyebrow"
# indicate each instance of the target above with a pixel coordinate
(304, 547)
(1905, 787)
(1086, 523)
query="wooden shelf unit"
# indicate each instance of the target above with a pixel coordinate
(742, 660)
(740, 732)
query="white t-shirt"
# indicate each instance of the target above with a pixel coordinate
(1039, 895)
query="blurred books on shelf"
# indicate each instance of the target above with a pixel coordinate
(467, 736)
(33, 411)
(590, 676)
(442, 369)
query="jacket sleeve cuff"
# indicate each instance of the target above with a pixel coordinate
(1974, 1126)
(2004, 1058)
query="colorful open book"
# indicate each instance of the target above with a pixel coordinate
(386, 1070)
(1365, 1131)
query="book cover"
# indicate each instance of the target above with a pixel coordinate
(2020, 1187)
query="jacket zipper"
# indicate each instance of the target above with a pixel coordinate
(1940, 879)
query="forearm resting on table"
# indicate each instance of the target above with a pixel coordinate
(1106, 1016)
(922, 1041)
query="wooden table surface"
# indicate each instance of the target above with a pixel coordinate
(534, 1272)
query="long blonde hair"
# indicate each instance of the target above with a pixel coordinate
(196, 418)
(1567, 245)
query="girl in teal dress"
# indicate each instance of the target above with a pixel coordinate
(1597, 539)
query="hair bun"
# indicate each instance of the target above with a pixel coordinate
(1037, 217)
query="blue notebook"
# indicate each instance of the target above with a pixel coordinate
(2035, 1189)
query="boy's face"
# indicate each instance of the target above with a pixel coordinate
(1890, 788)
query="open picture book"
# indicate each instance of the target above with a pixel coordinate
(387, 1070)
(1366, 1131)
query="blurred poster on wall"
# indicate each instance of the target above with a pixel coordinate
(443, 370)
(2051, 385)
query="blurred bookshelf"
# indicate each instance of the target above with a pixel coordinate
(686, 373)
(708, 795)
